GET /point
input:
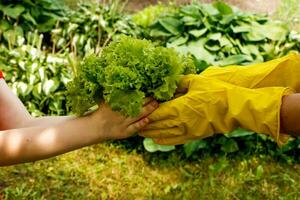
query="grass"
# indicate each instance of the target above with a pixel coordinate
(107, 171)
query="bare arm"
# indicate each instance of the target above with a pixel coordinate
(35, 143)
(25, 139)
(13, 113)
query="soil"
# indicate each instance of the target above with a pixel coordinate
(258, 6)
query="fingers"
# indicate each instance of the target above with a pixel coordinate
(137, 126)
(146, 110)
(172, 140)
(163, 133)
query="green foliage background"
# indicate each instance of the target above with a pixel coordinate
(241, 165)
(44, 41)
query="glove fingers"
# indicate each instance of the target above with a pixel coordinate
(164, 111)
(162, 124)
(162, 133)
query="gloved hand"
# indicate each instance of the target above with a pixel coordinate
(212, 106)
(282, 72)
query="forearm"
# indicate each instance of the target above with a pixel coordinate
(290, 115)
(47, 121)
(35, 143)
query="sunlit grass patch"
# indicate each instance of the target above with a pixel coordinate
(107, 171)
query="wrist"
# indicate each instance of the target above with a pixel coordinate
(95, 125)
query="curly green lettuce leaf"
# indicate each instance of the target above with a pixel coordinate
(127, 71)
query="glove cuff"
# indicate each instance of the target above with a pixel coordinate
(279, 137)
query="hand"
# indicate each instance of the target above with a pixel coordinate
(113, 125)
(211, 106)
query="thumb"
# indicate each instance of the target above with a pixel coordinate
(184, 83)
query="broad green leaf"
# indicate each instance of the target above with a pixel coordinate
(13, 11)
(159, 33)
(172, 25)
(239, 132)
(190, 21)
(37, 91)
(177, 42)
(250, 49)
(47, 25)
(209, 10)
(196, 48)
(50, 86)
(214, 36)
(241, 28)
(151, 146)
(227, 19)
(28, 17)
(200, 65)
(213, 47)
(223, 8)
(198, 33)
(194, 146)
(224, 41)
(32, 79)
(42, 73)
(4, 25)
(235, 59)
(254, 36)
(191, 10)
(29, 2)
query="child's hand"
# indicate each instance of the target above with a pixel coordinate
(113, 125)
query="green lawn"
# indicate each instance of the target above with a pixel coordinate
(108, 171)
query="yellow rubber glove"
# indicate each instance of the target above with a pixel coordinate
(282, 72)
(212, 106)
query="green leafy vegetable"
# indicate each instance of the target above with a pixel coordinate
(127, 71)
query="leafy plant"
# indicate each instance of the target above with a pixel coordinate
(148, 16)
(151, 146)
(127, 71)
(38, 78)
(18, 17)
(91, 27)
(216, 34)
